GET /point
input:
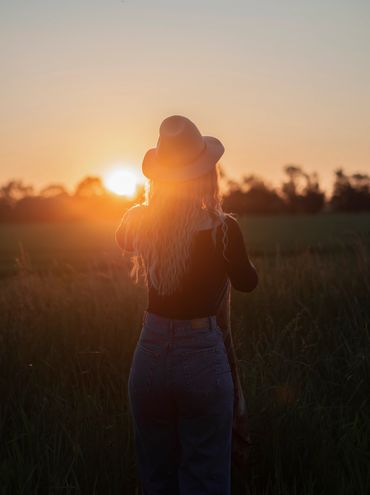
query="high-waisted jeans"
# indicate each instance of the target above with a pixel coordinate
(181, 399)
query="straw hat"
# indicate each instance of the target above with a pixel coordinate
(182, 153)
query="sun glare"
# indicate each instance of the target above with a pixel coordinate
(121, 181)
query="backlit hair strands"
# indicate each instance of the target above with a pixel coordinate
(162, 234)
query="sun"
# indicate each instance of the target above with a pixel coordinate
(121, 181)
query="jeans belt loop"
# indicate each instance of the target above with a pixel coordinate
(213, 322)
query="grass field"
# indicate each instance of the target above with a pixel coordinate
(70, 318)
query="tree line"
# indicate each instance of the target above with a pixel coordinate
(300, 192)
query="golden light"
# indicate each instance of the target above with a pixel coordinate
(121, 181)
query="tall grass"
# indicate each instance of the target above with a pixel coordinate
(303, 341)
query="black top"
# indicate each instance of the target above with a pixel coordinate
(205, 279)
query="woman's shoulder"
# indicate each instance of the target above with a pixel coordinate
(213, 219)
(136, 210)
(128, 225)
(133, 214)
(231, 219)
(231, 222)
(228, 229)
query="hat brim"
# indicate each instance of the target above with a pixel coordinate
(152, 167)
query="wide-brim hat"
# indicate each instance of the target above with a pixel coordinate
(182, 153)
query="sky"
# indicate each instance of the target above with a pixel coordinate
(85, 84)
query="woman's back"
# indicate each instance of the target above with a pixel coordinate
(204, 281)
(210, 265)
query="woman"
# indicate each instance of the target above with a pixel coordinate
(187, 249)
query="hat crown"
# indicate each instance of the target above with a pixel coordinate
(180, 141)
(182, 153)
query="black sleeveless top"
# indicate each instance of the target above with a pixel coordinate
(205, 280)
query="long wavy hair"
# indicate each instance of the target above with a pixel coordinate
(162, 234)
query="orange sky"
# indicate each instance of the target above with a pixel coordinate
(86, 84)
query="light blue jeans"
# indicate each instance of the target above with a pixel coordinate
(181, 396)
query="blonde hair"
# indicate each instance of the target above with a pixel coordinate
(162, 232)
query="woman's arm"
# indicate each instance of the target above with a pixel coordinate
(126, 228)
(240, 269)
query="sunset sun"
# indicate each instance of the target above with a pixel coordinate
(121, 181)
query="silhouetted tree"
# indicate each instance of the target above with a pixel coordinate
(15, 190)
(90, 186)
(53, 190)
(350, 192)
(302, 191)
(252, 196)
(5, 210)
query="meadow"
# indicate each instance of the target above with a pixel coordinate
(70, 318)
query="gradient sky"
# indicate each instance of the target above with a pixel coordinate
(85, 84)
